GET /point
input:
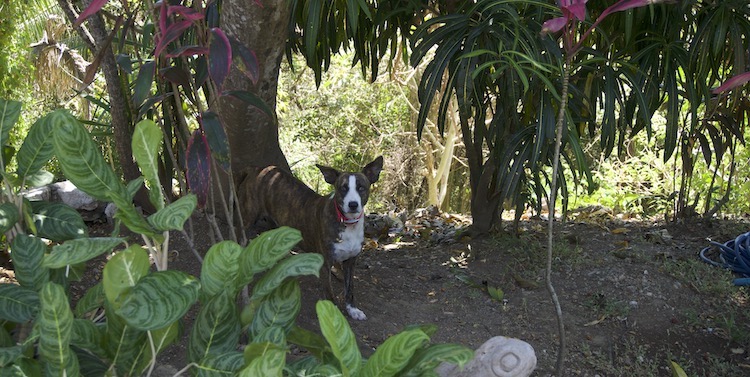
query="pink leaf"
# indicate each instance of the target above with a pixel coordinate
(163, 19)
(94, 7)
(249, 64)
(186, 13)
(199, 167)
(624, 5)
(732, 83)
(173, 32)
(219, 57)
(575, 8)
(554, 25)
(187, 51)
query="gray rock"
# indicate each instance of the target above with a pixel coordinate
(72, 196)
(497, 357)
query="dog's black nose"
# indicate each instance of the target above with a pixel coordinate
(353, 205)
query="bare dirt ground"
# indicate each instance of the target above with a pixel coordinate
(634, 294)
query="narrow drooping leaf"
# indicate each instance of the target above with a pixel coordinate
(186, 12)
(732, 83)
(173, 32)
(340, 337)
(143, 83)
(252, 100)
(146, 145)
(94, 6)
(28, 254)
(249, 61)
(173, 216)
(219, 57)
(79, 250)
(159, 299)
(17, 304)
(217, 138)
(57, 221)
(199, 167)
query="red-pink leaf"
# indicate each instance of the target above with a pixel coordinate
(186, 12)
(163, 19)
(94, 7)
(199, 167)
(219, 57)
(173, 32)
(623, 5)
(554, 25)
(732, 83)
(249, 60)
(577, 10)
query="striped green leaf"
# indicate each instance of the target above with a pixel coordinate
(311, 341)
(219, 269)
(9, 113)
(129, 216)
(159, 299)
(173, 216)
(55, 326)
(37, 148)
(57, 221)
(123, 343)
(162, 338)
(80, 159)
(394, 354)
(79, 250)
(9, 355)
(277, 309)
(87, 335)
(264, 251)
(216, 330)
(427, 359)
(8, 216)
(91, 300)
(269, 362)
(271, 334)
(28, 254)
(122, 272)
(226, 364)
(296, 265)
(17, 304)
(340, 337)
(147, 143)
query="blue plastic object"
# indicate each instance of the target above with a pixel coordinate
(733, 255)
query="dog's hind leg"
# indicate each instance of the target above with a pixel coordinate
(351, 309)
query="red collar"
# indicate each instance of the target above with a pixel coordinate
(343, 219)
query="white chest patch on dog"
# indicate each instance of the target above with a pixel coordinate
(350, 241)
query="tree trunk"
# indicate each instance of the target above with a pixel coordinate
(253, 136)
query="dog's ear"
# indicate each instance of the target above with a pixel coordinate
(373, 169)
(329, 174)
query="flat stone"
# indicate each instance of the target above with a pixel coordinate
(497, 357)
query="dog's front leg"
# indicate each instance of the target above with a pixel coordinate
(353, 311)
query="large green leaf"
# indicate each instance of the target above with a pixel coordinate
(122, 272)
(427, 359)
(219, 269)
(264, 251)
(28, 254)
(279, 308)
(123, 343)
(91, 300)
(9, 113)
(8, 216)
(159, 299)
(311, 341)
(269, 361)
(394, 353)
(173, 216)
(147, 143)
(57, 221)
(37, 148)
(55, 326)
(340, 337)
(127, 213)
(9, 355)
(226, 364)
(79, 250)
(296, 265)
(87, 335)
(216, 330)
(81, 160)
(17, 304)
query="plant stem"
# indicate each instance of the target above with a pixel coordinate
(551, 206)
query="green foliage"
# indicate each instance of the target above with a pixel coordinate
(144, 308)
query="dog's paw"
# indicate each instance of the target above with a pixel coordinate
(355, 313)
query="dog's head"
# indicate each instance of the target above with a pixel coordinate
(352, 189)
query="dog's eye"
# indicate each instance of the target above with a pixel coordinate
(345, 188)
(360, 188)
